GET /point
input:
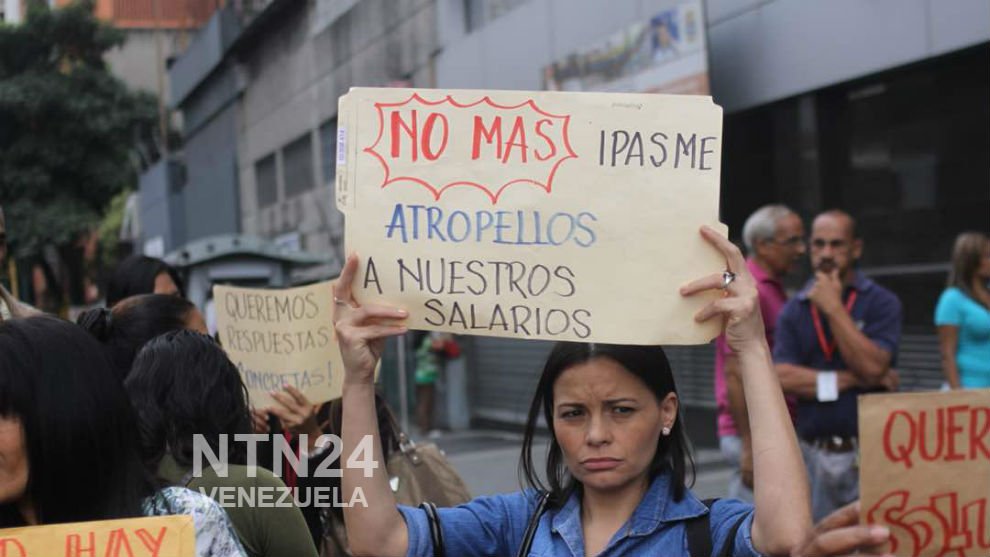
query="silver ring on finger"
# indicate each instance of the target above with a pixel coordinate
(727, 278)
(340, 302)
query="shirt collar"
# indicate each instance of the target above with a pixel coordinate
(656, 508)
(759, 274)
(860, 284)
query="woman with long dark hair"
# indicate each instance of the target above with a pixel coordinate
(963, 314)
(182, 385)
(68, 441)
(618, 457)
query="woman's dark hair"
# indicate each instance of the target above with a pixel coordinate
(79, 432)
(182, 384)
(124, 329)
(650, 365)
(136, 275)
(967, 256)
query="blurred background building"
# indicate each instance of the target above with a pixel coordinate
(879, 107)
(138, 60)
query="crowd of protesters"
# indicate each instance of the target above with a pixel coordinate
(98, 419)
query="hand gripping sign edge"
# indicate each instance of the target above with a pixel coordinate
(436, 192)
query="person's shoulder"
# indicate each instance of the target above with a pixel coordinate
(179, 500)
(952, 295)
(730, 507)
(255, 476)
(516, 501)
(881, 295)
(214, 532)
(793, 305)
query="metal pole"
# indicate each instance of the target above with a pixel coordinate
(403, 388)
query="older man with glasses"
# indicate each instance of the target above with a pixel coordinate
(774, 239)
(836, 339)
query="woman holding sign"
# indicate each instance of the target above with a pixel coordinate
(618, 453)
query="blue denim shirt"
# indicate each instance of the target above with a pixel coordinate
(494, 526)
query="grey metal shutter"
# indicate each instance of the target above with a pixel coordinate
(919, 362)
(503, 375)
(694, 374)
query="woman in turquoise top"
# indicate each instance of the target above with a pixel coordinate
(963, 315)
(618, 455)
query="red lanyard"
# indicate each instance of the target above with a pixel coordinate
(828, 348)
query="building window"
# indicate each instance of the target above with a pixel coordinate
(266, 179)
(328, 150)
(297, 166)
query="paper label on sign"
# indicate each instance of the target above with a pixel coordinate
(341, 146)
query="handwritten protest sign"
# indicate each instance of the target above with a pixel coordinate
(278, 337)
(925, 471)
(161, 536)
(561, 216)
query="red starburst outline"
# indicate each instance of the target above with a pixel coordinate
(437, 192)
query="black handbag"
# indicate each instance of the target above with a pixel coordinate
(436, 533)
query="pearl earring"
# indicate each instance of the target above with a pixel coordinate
(665, 431)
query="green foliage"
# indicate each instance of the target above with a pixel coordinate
(68, 127)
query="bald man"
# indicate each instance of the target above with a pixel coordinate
(835, 340)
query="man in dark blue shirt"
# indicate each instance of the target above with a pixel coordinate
(835, 340)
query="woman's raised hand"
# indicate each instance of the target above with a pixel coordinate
(841, 534)
(739, 306)
(362, 330)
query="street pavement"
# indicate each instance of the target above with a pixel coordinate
(488, 460)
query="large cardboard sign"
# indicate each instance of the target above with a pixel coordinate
(281, 336)
(926, 471)
(558, 216)
(160, 536)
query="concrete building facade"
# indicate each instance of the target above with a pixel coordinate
(308, 55)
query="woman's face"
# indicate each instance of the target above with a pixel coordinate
(607, 423)
(13, 460)
(165, 285)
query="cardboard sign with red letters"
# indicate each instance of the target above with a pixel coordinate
(925, 471)
(541, 215)
(159, 536)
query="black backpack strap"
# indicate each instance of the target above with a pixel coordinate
(534, 523)
(436, 533)
(699, 532)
